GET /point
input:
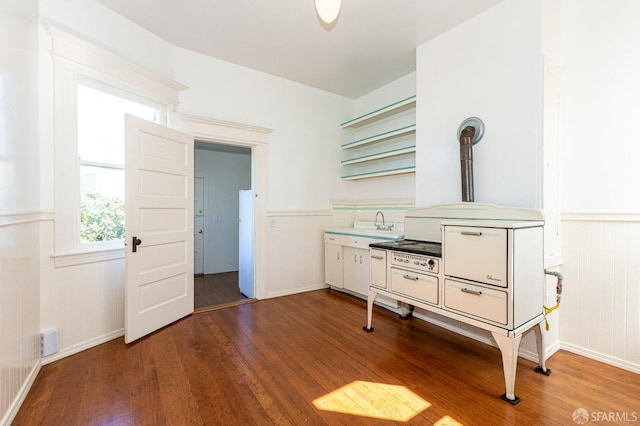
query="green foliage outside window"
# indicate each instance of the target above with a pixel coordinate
(101, 218)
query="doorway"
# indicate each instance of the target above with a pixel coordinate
(221, 172)
(256, 138)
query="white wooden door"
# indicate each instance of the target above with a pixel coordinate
(159, 215)
(198, 225)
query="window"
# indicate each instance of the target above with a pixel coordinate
(101, 157)
(92, 91)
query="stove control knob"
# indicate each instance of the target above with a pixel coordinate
(431, 264)
(416, 262)
(406, 261)
(423, 263)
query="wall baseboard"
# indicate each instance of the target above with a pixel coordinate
(83, 346)
(607, 359)
(296, 290)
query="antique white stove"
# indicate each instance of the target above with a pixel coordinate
(480, 264)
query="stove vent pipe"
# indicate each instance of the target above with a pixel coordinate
(469, 133)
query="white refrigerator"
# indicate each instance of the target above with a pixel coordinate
(245, 243)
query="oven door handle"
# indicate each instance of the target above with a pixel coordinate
(472, 233)
(410, 277)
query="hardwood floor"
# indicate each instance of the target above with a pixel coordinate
(216, 290)
(267, 362)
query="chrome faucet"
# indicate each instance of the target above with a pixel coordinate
(382, 227)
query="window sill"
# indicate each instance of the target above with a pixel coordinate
(83, 258)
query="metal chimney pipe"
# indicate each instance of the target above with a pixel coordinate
(466, 163)
(469, 133)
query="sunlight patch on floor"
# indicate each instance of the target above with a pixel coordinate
(377, 400)
(447, 421)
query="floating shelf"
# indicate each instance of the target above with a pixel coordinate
(379, 114)
(387, 153)
(381, 137)
(377, 156)
(403, 170)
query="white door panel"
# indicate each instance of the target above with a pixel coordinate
(159, 212)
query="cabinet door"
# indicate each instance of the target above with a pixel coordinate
(378, 268)
(364, 271)
(356, 270)
(333, 265)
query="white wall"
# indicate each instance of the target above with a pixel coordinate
(19, 202)
(489, 67)
(19, 105)
(599, 54)
(303, 171)
(304, 147)
(224, 175)
(601, 101)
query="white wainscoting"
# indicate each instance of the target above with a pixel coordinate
(19, 310)
(295, 254)
(600, 310)
(84, 299)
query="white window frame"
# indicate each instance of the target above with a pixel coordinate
(114, 91)
(76, 61)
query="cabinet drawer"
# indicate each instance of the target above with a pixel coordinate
(476, 254)
(357, 242)
(481, 302)
(421, 287)
(378, 268)
(333, 239)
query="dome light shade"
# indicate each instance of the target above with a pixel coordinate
(328, 9)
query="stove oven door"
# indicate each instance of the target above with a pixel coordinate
(418, 286)
(476, 254)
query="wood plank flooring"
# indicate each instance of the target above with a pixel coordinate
(267, 362)
(213, 290)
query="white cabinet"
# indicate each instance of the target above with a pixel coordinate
(356, 269)
(385, 142)
(378, 268)
(333, 269)
(494, 272)
(348, 262)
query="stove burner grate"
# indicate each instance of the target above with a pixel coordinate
(412, 246)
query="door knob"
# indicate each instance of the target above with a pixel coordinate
(135, 242)
(199, 231)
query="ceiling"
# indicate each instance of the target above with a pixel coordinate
(371, 43)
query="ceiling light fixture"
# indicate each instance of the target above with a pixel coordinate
(328, 10)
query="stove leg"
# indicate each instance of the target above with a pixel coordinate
(509, 348)
(539, 332)
(370, 299)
